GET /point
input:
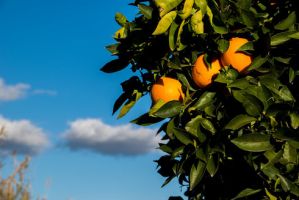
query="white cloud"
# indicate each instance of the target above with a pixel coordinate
(21, 136)
(12, 92)
(94, 135)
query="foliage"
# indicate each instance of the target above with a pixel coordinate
(237, 138)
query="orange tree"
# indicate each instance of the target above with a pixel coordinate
(230, 131)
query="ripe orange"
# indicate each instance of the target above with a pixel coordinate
(238, 60)
(167, 89)
(202, 75)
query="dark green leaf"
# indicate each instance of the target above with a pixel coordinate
(251, 104)
(291, 75)
(208, 125)
(240, 84)
(119, 102)
(212, 166)
(146, 120)
(182, 136)
(294, 120)
(246, 192)
(172, 35)
(281, 38)
(129, 104)
(205, 99)
(222, 45)
(257, 63)
(248, 18)
(115, 65)
(287, 22)
(239, 121)
(169, 109)
(254, 142)
(146, 10)
(196, 174)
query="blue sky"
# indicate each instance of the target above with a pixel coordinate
(56, 104)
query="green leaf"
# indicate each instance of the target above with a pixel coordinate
(197, 24)
(246, 192)
(193, 125)
(113, 48)
(205, 99)
(295, 36)
(166, 5)
(251, 104)
(271, 196)
(182, 136)
(287, 22)
(165, 23)
(202, 4)
(146, 10)
(169, 109)
(276, 87)
(120, 19)
(257, 63)
(291, 75)
(239, 83)
(222, 45)
(217, 29)
(248, 18)
(187, 9)
(172, 35)
(146, 120)
(114, 65)
(196, 174)
(294, 120)
(130, 103)
(281, 38)
(119, 102)
(253, 142)
(239, 121)
(179, 43)
(289, 156)
(208, 125)
(212, 166)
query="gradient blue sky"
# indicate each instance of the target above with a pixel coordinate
(50, 55)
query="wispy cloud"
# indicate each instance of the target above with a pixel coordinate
(95, 135)
(12, 92)
(45, 92)
(21, 136)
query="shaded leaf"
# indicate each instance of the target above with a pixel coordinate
(182, 136)
(246, 192)
(294, 120)
(287, 22)
(196, 174)
(146, 10)
(115, 65)
(169, 109)
(239, 121)
(254, 142)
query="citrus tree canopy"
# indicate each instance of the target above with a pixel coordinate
(223, 77)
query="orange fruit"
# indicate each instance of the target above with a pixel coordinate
(238, 60)
(203, 75)
(167, 89)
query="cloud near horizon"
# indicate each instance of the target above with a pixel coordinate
(22, 137)
(12, 92)
(95, 135)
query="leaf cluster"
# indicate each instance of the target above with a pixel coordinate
(237, 138)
